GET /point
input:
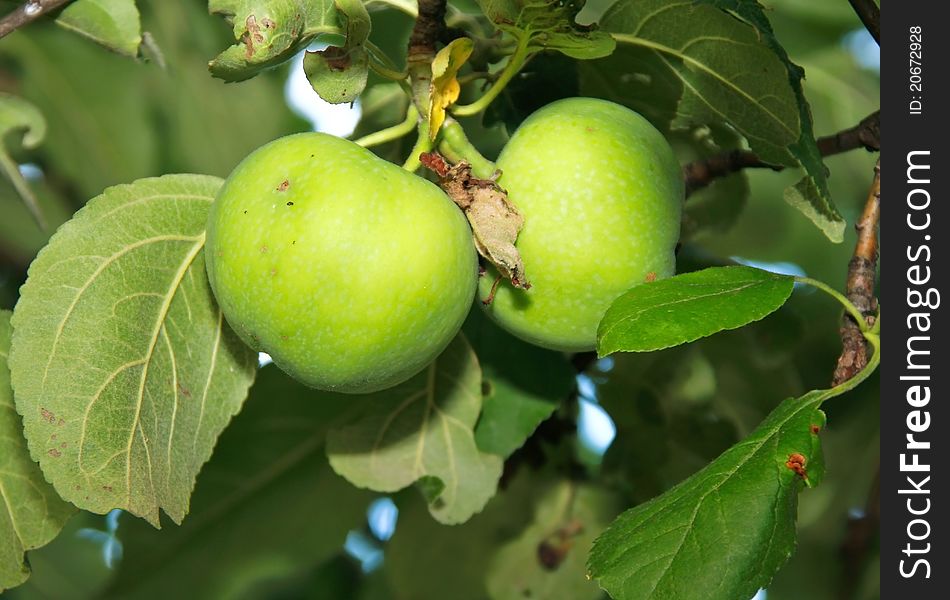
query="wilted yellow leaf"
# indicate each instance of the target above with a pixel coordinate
(445, 87)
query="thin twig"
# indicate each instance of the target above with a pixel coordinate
(860, 285)
(700, 173)
(870, 14)
(27, 13)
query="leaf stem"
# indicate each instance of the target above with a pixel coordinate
(848, 306)
(514, 64)
(391, 133)
(456, 146)
(12, 172)
(874, 339)
(382, 65)
(423, 144)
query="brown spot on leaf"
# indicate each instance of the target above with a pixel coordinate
(47, 415)
(337, 59)
(184, 391)
(63, 445)
(54, 452)
(253, 34)
(796, 462)
(268, 23)
(264, 249)
(290, 204)
(273, 272)
(107, 488)
(651, 276)
(283, 185)
(554, 549)
(815, 429)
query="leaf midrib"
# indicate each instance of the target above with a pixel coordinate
(638, 41)
(640, 312)
(819, 398)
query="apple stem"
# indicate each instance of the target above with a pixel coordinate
(391, 133)
(491, 293)
(423, 144)
(456, 147)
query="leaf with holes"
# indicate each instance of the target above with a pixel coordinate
(114, 24)
(268, 33)
(31, 514)
(684, 308)
(124, 368)
(421, 431)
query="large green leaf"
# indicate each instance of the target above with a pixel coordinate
(31, 514)
(522, 385)
(422, 431)
(266, 505)
(548, 559)
(114, 24)
(723, 532)
(124, 368)
(270, 32)
(811, 194)
(699, 65)
(680, 309)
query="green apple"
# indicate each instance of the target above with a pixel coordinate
(352, 273)
(601, 194)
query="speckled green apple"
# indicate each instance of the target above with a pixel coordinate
(352, 273)
(601, 194)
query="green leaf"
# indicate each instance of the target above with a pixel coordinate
(267, 505)
(31, 514)
(811, 194)
(714, 67)
(339, 73)
(683, 308)
(124, 368)
(550, 26)
(422, 429)
(270, 32)
(17, 116)
(114, 24)
(522, 385)
(548, 559)
(722, 533)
